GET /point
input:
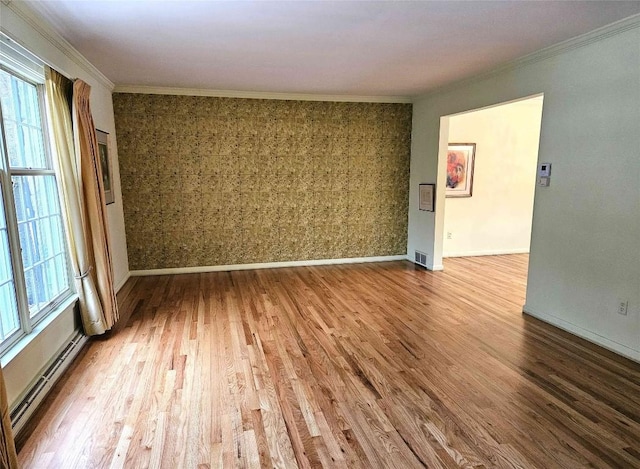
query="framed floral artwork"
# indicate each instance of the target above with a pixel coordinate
(460, 159)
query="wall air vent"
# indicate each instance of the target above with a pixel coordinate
(421, 259)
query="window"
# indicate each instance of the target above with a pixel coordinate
(34, 268)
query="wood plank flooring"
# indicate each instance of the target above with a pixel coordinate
(360, 366)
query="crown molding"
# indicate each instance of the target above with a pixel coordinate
(40, 25)
(613, 29)
(259, 94)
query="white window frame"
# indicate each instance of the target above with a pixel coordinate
(20, 63)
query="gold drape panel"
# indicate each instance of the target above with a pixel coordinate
(8, 457)
(95, 216)
(59, 90)
(80, 181)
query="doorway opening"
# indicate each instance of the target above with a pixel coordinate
(491, 159)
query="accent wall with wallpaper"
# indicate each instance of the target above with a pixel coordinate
(220, 181)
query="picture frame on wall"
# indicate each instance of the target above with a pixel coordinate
(105, 163)
(427, 194)
(460, 162)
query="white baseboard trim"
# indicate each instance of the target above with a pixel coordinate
(497, 252)
(436, 268)
(45, 379)
(585, 334)
(120, 284)
(265, 265)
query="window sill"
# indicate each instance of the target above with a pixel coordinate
(24, 342)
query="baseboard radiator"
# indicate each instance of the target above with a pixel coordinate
(38, 391)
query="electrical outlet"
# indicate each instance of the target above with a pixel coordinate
(449, 235)
(623, 306)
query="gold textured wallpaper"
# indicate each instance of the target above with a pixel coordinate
(218, 181)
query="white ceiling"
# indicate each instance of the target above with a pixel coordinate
(374, 48)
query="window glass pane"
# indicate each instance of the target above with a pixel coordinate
(41, 239)
(9, 321)
(22, 124)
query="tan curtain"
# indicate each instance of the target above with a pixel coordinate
(83, 200)
(96, 232)
(8, 457)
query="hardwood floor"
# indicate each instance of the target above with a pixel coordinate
(369, 365)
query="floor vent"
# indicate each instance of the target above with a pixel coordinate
(43, 384)
(421, 259)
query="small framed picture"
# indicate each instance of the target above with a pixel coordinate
(105, 163)
(460, 169)
(427, 197)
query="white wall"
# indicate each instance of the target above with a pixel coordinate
(26, 29)
(496, 219)
(20, 372)
(585, 254)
